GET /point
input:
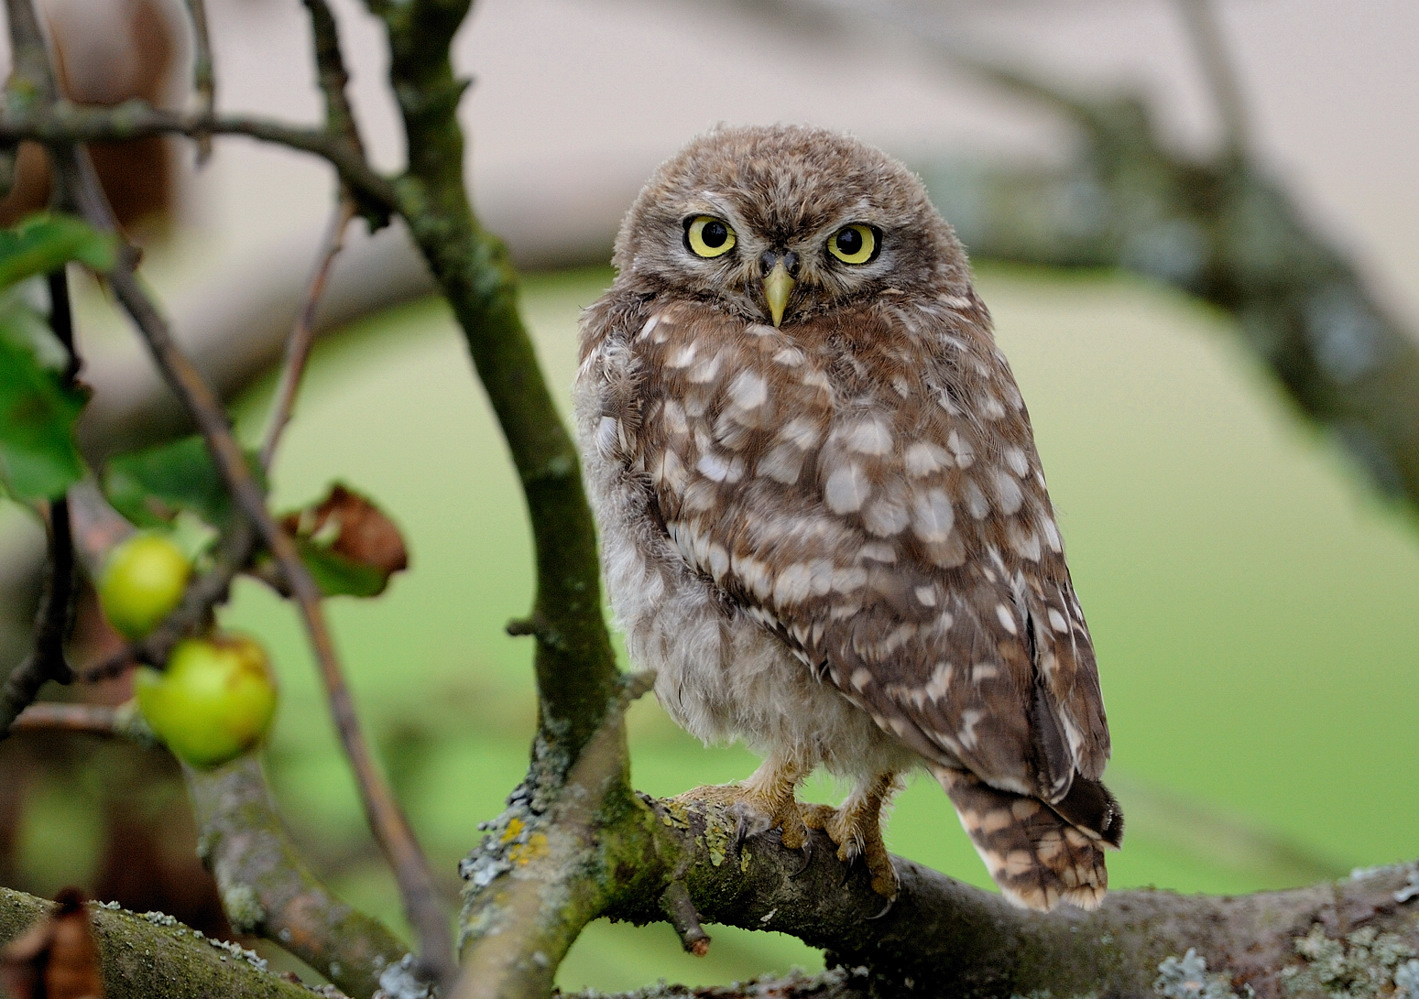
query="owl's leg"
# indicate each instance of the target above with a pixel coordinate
(766, 800)
(856, 827)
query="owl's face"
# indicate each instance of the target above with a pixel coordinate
(783, 222)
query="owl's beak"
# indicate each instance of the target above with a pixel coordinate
(778, 285)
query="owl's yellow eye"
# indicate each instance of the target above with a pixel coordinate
(854, 244)
(708, 236)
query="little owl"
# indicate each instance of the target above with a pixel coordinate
(823, 520)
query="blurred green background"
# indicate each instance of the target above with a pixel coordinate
(1252, 604)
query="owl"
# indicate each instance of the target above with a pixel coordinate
(823, 520)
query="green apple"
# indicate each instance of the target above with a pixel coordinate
(142, 582)
(213, 702)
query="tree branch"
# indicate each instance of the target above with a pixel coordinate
(542, 872)
(575, 666)
(47, 660)
(87, 719)
(204, 80)
(1200, 18)
(1225, 233)
(302, 336)
(331, 75)
(968, 942)
(154, 955)
(61, 122)
(267, 889)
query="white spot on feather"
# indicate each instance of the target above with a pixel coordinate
(970, 718)
(976, 502)
(670, 471)
(748, 390)
(940, 681)
(963, 451)
(801, 432)
(1015, 458)
(717, 468)
(1007, 619)
(683, 356)
(673, 417)
(1007, 491)
(1051, 533)
(793, 584)
(923, 459)
(847, 488)
(867, 436)
(849, 580)
(885, 516)
(606, 433)
(932, 516)
(877, 551)
(782, 464)
(1025, 543)
(705, 371)
(718, 560)
(755, 575)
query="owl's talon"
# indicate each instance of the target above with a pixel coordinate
(885, 909)
(807, 852)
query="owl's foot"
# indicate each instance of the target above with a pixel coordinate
(763, 802)
(856, 828)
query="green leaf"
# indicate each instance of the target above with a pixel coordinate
(38, 456)
(338, 576)
(43, 243)
(150, 487)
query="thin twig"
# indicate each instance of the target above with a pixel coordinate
(204, 80)
(61, 121)
(331, 74)
(31, 78)
(298, 344)
(47, 660)
(387, 821)
(1200, 17)
(89, 719)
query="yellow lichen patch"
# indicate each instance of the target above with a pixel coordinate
(524, 853)
(677, 814)
(513, 830)
(717, 842)
(743, 861)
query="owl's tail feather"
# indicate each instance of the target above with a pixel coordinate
(1040, 855)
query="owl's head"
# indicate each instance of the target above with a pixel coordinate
(777, 223)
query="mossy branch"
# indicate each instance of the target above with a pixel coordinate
(948, 938)
(154, 955)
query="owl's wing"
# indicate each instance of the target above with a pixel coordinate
(866, 484)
